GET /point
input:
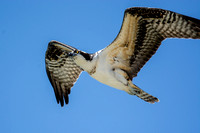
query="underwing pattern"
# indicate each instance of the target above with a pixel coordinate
(62, 72)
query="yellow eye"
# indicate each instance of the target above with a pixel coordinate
(77, 51)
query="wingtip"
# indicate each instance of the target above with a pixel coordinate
(62, 101)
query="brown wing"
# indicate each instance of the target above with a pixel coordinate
(62, 72)
(141, 34)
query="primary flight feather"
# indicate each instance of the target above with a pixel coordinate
(142, 31)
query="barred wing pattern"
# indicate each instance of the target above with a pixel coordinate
(62, 72)
(142, 31)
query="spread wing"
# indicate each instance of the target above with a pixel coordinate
(62, 72)
(141, 34)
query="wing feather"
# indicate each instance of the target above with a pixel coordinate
(143, 30)
(62, 72)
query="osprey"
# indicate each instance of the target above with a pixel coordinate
(142, 31)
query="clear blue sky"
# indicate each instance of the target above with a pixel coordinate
(27, 100)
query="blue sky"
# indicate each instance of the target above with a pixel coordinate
(27, 99)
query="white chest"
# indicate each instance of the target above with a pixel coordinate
(105, 74)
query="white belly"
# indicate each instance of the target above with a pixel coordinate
(106, 75)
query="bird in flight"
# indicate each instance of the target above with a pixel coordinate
(142, 31)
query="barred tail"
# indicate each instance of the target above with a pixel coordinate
(134, 90)
(147, 97)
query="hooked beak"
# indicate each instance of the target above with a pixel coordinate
(62, 46)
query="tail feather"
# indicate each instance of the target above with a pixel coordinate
(147, 97)
(134, 90)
